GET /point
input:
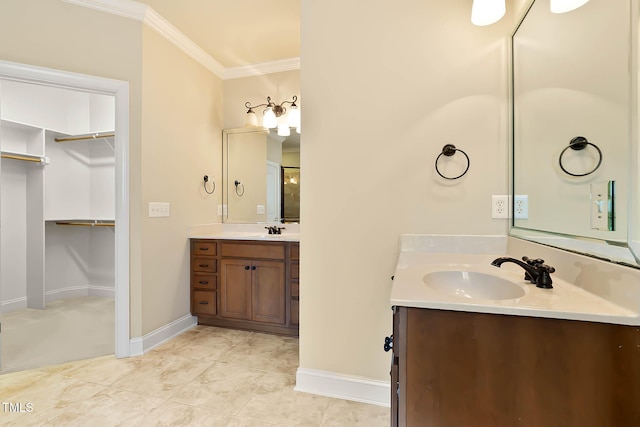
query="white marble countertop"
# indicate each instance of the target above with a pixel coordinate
(290, 233)
(564, 301)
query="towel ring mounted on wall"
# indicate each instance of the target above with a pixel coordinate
(449, 150)
(239, 185)
(580, 143)
(204, 184)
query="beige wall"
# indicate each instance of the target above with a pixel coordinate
(181, 128)
(175, 127)
(279, 86)
(385, 87)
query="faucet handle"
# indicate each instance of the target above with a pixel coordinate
(533, 262)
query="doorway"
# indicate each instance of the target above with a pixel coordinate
(98, 88)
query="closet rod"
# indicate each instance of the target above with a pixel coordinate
(86, 224)
(80, 138)
(24, 159)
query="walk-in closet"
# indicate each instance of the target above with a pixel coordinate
(57, 207)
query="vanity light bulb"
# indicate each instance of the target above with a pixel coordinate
(487, 12)
(293, 117)
(562, 6)
(251, 120)
(283, 130)
(269, 119)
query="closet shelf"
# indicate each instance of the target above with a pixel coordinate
(86, 223)
(25, 157)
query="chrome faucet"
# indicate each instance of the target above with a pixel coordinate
(536, 271)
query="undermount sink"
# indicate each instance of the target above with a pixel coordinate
(473, 285)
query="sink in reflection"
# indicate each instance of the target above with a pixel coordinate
(473, 285)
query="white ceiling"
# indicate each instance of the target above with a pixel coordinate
(237, 32)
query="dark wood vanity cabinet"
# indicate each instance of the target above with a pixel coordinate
(253, 284)
(474, 369)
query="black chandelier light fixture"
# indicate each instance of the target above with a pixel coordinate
(275, 116)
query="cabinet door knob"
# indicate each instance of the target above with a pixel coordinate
(253, 267)
(246, 267)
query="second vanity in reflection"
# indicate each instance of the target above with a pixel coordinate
(505, 352)
(246, 280)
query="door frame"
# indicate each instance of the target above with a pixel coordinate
(120, 90)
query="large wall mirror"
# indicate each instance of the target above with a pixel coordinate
(574, 111)
(260, 176)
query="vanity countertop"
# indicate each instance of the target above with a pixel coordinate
(291, 232)
(564, 301)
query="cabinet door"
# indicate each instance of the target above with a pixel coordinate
(268, 292)
(235, 289)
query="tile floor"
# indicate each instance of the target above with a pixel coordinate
(204, 377)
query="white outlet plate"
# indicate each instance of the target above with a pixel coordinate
(499, 206)
(521, 206)
(159, 209)
(260, 210)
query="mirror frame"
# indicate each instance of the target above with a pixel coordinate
(627, 254)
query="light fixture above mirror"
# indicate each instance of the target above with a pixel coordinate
(562, 6)
(275, 116)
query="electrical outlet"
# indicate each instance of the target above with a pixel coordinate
(521, 207)
(499, 206)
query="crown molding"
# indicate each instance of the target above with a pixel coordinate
(157, 22)
(262, 68)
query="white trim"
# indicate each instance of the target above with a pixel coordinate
(13, 305)
(342, 386)
(102, 291)
(125, 8)
(290, 64)
(142, 13)
(120, 89)
(141, 345)
(157, 22)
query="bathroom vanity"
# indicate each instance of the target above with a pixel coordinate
(246, 281)
(467, 352)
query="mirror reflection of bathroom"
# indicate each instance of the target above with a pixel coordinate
(571, 82)
(57, 194)
(261, 176)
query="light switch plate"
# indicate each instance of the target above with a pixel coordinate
(602, 203)
(260, 210)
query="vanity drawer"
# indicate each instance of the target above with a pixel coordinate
(204, 302)
(251, 250)
(205, 248)
(294, 270)
(295, 289)
(204, 281)
(204, 264)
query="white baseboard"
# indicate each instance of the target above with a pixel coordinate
(342, 386)
(139, 346)
(13, 304)
(79, 291)
(102, 291)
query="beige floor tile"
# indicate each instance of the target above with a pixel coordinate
(201, 345)
(341, 413)
(160, 375)
(287, 407)
(269, 355)
(172, 414)
(102, 370)
(109, 408)
(227, 388)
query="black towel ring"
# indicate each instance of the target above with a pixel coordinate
(239, 184)
(449, 150)
(580, 143)
(204, 184)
